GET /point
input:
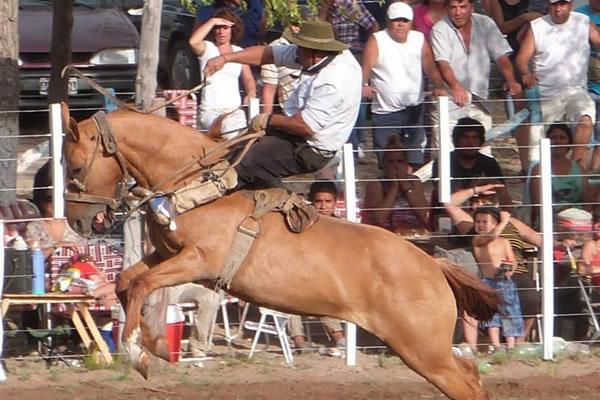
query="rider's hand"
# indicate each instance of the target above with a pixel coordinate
(259, 122)
(213, 65)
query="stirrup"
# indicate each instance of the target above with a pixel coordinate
(164, 211)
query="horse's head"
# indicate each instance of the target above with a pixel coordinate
(96, 171)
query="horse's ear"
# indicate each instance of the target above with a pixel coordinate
(70, 125)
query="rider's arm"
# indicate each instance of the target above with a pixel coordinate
(255, 55)
(294, 125)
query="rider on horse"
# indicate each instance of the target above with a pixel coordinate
(316, 122)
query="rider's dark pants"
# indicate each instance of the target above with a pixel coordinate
(277, 155)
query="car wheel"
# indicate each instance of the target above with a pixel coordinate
(184, 70)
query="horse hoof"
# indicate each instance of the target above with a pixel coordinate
(133, 347)
(143, 364)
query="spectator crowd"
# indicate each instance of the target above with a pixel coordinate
(543, 51)
(352, 67)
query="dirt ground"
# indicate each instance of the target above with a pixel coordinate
(376, 376)
(313, 376)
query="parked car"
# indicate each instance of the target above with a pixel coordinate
(105, 47)
(176, 59)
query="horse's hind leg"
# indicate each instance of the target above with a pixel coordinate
(455, 376)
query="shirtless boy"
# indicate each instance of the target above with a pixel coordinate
(497, 264)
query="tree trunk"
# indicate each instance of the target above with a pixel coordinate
(145, 84)
(9, 99)
(60, 49)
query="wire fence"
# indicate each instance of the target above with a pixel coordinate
(581, 313)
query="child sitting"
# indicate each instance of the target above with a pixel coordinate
(496, 262)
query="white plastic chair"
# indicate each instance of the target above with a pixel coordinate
(277, 328)
(225, 301)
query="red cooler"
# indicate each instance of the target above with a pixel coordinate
(175, 318)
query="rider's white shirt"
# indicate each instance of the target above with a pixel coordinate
(328, 100)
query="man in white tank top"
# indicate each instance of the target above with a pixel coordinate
(559, 46)
(393, 63)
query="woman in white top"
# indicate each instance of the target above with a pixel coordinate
(222, 94)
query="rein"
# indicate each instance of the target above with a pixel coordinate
(109, 144)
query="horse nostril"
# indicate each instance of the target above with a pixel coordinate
(76, 171)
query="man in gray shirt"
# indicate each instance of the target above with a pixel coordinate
(463, 44)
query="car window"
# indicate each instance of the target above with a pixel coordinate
(78, 3)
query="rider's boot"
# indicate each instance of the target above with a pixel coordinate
(200, 191)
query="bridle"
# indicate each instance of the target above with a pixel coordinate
(105, 137)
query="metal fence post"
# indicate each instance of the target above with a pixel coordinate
(350, 197)
(547, 246)
(444, 150)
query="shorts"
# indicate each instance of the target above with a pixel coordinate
(569, 106)
(509, 317)
(408, 125)
(596, 135)
(471, 110)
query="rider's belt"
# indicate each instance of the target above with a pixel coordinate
(323, 153)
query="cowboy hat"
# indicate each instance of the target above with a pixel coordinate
(316, 35)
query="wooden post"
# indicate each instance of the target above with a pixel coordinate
(9, 99)
(145, 83)
(60, 49)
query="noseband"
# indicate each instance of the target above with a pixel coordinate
(109, 144)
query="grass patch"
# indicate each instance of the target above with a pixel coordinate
(237, 360)
(500, 358)
(388, 361)
(552, 369)
(202, 382)
(54, 375)
(23, 374)
(120, 364)
(121, 377)
(484, 368)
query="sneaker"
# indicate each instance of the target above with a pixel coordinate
(163, 209)
(334, 352)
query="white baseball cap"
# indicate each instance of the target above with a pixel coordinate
(399, 10)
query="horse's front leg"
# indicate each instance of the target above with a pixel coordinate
(183, 268)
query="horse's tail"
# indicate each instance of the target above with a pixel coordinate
(472, 295)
